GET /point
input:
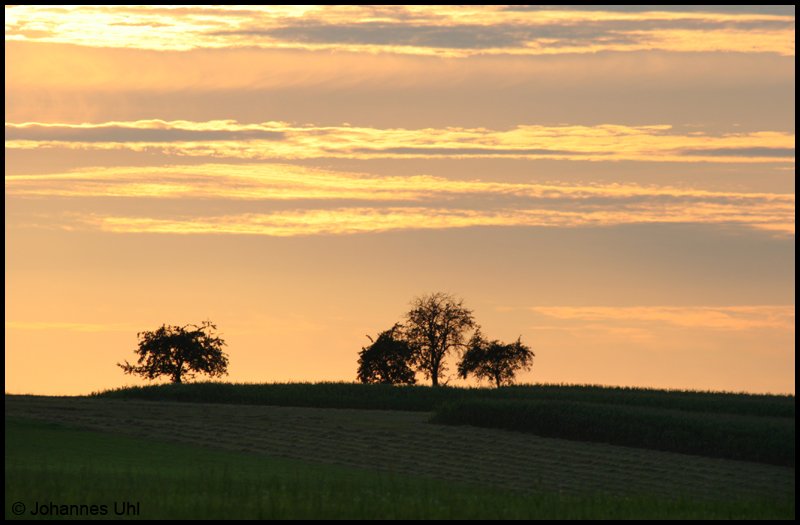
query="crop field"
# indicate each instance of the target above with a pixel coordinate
(426, 399)
(392, 452)
(747, 437)
(725, 425)
(134, 477)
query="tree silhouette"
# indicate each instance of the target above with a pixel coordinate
(494, 360)
(387, 360)
(434, 326)
(179, 352)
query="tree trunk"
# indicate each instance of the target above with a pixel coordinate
(176, 377)
(434, 371)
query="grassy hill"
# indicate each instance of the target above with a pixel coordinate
(727, 425)
(425, 398)
(47, 463)
(282, 451)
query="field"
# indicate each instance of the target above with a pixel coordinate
(732, 426)
(751, 438)
(199, 459)
(426, 399)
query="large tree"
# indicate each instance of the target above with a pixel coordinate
(387, 360)
(179, 352)
(436, 325)
(494, 360)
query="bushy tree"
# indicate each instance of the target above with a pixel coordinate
(387, 360)
(436, 325)
(179, 352)
(494, 360)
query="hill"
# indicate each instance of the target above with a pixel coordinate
(726, 425)
(362, 462)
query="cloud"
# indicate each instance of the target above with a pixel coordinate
(117, 133)
(482, 152)
(344, 221)
(285, 181)
(714, 317)
(383, 34)
(741, 152)
(425, 30)
(538, 34)
(322, 202)
(280, 140)
(777, 10)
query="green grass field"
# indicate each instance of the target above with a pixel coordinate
(50, 463)
(181, 452)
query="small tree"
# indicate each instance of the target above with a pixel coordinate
(387, 360)
(436, 325)
(179, 352)
(494, 360)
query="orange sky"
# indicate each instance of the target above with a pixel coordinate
(615, 184)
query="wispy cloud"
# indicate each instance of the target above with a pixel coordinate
(390, 202)
(783, 10)
(352, 220)
(341, 221)
(714, 317)
(741, 152)
(431, 30)
(281, 140)
(150, 132)
(288, 181)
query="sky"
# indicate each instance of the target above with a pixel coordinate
(612, 184)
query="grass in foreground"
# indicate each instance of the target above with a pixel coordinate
(48, 463)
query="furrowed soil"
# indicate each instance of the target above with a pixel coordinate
(406, 443)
